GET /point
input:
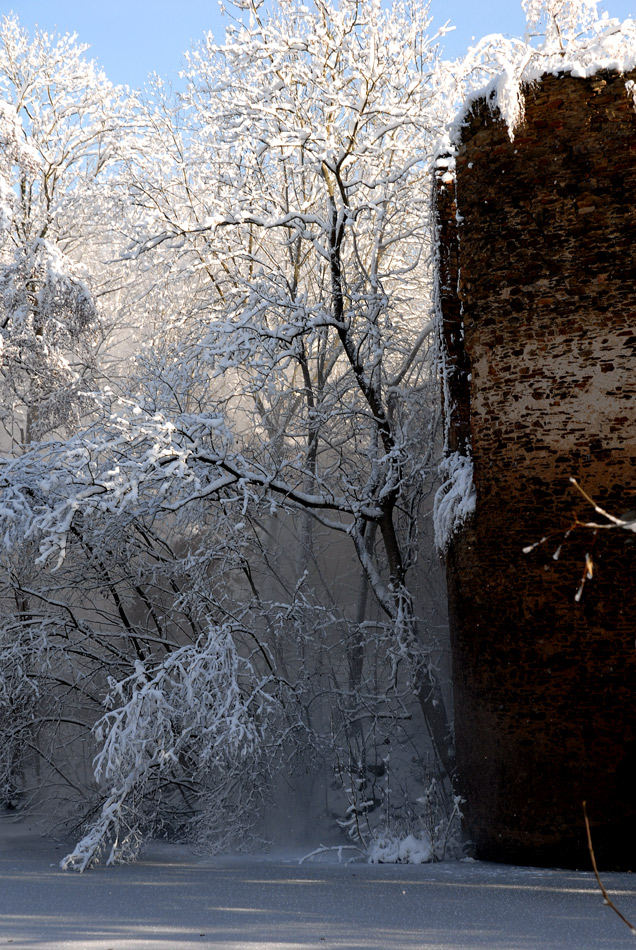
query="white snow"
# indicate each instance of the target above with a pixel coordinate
(389, 849)
(612, 47)
(172, 900)
(455, 498)
(584, 48)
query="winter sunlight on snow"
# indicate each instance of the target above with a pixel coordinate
(170, 900)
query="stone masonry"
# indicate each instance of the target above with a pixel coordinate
(537, 281)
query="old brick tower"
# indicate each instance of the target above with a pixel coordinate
(537, 286)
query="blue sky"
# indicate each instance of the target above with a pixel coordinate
(130, 38)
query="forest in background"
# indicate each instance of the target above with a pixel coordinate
(223, 607)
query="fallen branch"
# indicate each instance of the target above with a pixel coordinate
(339, 848)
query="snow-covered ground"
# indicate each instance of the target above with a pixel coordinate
(173, 900)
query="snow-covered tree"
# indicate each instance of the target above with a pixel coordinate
(307, 223)
(559, 23)
(64, 125)
(265, 472)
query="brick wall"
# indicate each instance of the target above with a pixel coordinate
(537, 282)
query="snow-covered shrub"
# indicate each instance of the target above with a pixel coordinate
(388, 829)
(562, 36)
(391, 849)
(559, 23)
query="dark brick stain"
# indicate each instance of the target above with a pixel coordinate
(537, 283)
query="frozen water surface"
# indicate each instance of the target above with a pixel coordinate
(173, 900)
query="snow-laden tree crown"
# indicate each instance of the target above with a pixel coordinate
(62, 125)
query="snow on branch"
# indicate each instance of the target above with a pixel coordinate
(455, 498)
(135, 464)
(193, 704)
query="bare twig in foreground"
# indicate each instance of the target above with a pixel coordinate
(608, 900)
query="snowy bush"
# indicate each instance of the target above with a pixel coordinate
(389, 849)
(387, 828)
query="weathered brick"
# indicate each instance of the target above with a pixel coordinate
(541, 270)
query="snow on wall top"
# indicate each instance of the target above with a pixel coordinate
(577, 43)
(607, 44)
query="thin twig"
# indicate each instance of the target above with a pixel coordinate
(614, 521)
(608, 900)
